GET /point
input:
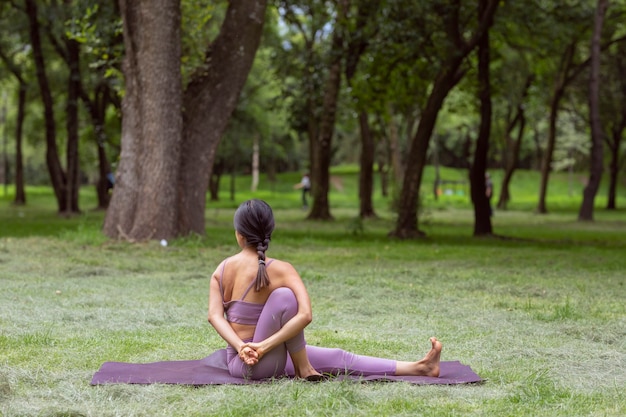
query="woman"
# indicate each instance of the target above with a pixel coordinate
(264, 325)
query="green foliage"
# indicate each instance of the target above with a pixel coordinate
(200, 23)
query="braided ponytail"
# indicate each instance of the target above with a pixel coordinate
(254, 220)
(262, 280)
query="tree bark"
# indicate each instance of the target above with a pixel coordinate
(57, 176)
(482, 209)
(614, 166)
(208, 103)
(322, 143)
(71, 122)
(20, 193)
(366, 174)
(597, 141)
(144, 201)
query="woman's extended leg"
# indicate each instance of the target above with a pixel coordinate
(338, 361)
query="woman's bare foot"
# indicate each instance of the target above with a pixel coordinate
(428, 366)
(309, 374)
(303, 367)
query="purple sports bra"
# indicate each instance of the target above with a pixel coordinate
(239, 311)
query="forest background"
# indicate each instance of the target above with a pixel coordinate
(390, 86)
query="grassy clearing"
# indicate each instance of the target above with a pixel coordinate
(541, 317)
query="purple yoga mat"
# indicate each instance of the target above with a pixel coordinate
(212, 370)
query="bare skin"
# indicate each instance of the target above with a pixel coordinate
(428, 366)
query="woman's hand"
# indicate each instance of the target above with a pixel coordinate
(248, 355)
(251, 353)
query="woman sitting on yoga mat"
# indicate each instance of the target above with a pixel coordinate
(260, 307)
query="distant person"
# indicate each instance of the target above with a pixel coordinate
(110, 181)
(305, 186)
(260, 307)
(489, 191)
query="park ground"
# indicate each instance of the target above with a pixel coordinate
(538, 312)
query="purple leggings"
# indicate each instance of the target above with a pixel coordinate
(280, 307)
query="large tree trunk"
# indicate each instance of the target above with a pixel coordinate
(144, 200)
(366, 174)
(597, 141)
(209, 101)
(71, 121)
(482, 209)
(57, 176)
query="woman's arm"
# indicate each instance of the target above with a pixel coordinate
(285, 275)
(221, 325)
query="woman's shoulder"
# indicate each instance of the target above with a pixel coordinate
(220, 267)
(280, 267)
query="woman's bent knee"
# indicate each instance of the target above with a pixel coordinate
(283, 294)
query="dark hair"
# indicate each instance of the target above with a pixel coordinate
(254, 220)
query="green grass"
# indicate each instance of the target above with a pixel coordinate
(540, 316)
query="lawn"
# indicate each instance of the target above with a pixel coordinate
(539, 315)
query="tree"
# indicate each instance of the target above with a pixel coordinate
(170, 136)
(597, 156)
(516, 117)
(97, 29)
(57, 175)
(482, 209)
(450, 72)
(15, 69)
(359, 33)
(567, 26)
(321, 142)
(617, 123)
(209, 100)
(144, 203)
